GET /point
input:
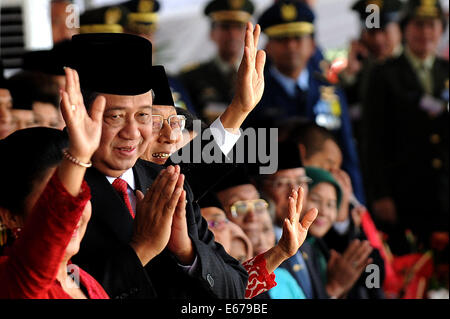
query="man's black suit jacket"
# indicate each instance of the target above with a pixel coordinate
(106, 255)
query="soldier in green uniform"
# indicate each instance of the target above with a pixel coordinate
(211, 84)
(380, 39)
(407, 135)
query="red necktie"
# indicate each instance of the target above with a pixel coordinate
(122, 188)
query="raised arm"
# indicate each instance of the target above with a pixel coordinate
(250, 82)
(37, 254)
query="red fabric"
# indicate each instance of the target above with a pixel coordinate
(413, 272)
(122, 188)
(259, 280)
(30, 268)
(373, 236)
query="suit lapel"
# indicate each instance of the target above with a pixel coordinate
(107, 206)
(316, 280)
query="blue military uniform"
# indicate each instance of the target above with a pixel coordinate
(310, 95)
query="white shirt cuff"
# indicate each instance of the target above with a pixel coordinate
(224, 139)
(190, 269)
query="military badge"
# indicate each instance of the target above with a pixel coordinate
(146, 6)
(288, 12)
(328, 109)
(113, 15)
(236, 4)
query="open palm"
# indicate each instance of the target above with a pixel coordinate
(294, 229)
(250, 81)
(84, 130)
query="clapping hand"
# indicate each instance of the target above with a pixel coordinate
(154, 214)
(344, 270)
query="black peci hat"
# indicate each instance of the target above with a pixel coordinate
(113, 63)
(161, 87)
(288, 156)
(50, 61)
(236, 177)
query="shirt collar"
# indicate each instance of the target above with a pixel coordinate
(128, 177)
(290, 84)
(419, 63)
(224, 66)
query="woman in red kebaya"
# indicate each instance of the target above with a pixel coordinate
(50, 204)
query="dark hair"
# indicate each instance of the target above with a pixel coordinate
(312, 136)
(27, 87)
(26, 157)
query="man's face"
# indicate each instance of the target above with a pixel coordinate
(238, 194)
(165, 140)
(279, 187)
(329, 158)
(422, 36)
(23, 119)
(229, 37)
(290, 54)
(46, 115)
(126, 132)
(6, 123)
(382, 42)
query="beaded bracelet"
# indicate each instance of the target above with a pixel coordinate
(74, 160)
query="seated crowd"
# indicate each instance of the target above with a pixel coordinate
(98, 205)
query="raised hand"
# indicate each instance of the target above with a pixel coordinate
(294, 229)
(344, 270)
(154, 215)
(250, 81)
(84, 130)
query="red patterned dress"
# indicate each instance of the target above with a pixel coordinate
(29, 268)
(259, 280)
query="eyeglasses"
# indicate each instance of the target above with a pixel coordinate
(175, 122)
(283, 182)
(218, 224)
(242, 207)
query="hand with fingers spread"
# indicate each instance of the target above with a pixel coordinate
(84, 129)
(294, 231)
(154, 215)
(250, 81)
(344, 270)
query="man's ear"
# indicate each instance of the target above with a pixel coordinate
(8, 219)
